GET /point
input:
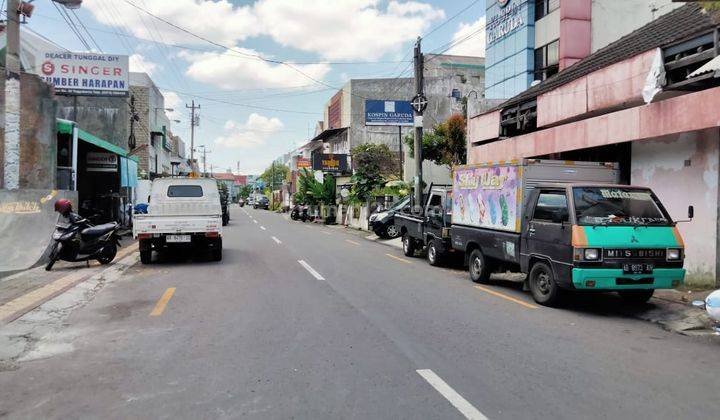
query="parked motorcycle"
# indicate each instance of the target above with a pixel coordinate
(299, 213)
(79, 240)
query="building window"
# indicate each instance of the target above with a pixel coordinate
(546, 60)
(545, 7)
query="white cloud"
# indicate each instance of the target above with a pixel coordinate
(218, 20)
(251, 134)
(229, 71)
(347, 29)
(173, 100)
(474, 45)
(139, 63)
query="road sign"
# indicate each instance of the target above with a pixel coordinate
(419, 103)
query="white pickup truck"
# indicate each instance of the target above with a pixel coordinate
(181, 212)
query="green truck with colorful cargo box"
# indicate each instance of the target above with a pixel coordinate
(566, 225)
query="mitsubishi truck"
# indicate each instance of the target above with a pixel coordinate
(182, 212)
(567, 226)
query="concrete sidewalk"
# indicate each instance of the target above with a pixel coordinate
(26, 290)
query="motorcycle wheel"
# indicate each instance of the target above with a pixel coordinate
(53, 257)
(107, 254)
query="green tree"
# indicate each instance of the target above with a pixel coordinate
(245, 191)
(445, 144)
(372, 163)
(275, 174)
(312, 192)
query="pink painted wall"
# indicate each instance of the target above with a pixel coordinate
(483, 127)
(565, 102)
(694, 111)
(614, 86)
(686, 162)
(620, 83)
(575, 31)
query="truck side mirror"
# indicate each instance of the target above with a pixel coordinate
(691, 212)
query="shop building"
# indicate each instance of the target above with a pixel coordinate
(529, 40)
(151, 131)
(648, 101)
(451, 84)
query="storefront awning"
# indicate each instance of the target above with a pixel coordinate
(89, 138)
(66, 127)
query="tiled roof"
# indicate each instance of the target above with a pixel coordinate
(672, 27)
(224, 176)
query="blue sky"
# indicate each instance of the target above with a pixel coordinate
(245, 101)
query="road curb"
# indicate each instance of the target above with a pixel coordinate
(21, 305)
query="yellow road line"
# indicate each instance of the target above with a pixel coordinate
(351, 242)
(162, 303)
(399, 259)
(31, 300)
(506, 297)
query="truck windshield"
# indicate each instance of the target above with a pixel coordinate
(617, 206)
(185, 191)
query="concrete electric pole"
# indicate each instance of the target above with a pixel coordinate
(193, 124)
(419, 104)
(11, 167)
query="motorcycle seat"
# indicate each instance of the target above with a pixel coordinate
(99, 230)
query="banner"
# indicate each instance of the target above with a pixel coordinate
(304, 163)
(396, 113)
(87, 74)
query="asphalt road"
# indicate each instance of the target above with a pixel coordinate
(311, 322)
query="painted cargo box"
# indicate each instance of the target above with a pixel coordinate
(487, 197)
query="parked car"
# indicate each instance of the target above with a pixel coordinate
(183, 212)
(566, 225)
(261, 202)
(383, 222)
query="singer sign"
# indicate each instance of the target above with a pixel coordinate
(85, 73)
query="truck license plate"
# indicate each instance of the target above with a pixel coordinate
(637, 268)
(177, 238)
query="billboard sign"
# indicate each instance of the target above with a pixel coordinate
(101, 162)
(87, 74)
(330, 163)
(380, 112)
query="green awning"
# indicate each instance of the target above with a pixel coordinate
(64, 126)
(85, 136)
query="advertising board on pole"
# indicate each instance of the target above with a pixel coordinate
(87, 74)
(380, 112)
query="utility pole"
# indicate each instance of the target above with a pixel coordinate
(204, 159)
(11, 169)
(272, 184)
(133, 117)
(193, 124)
(419, 104)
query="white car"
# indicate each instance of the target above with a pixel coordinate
(181, 212)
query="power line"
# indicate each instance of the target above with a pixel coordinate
(250, 55)
(450, 19)
(72, 27)
(86, 30)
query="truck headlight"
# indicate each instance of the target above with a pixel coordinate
(674, 254)
(591, 254)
